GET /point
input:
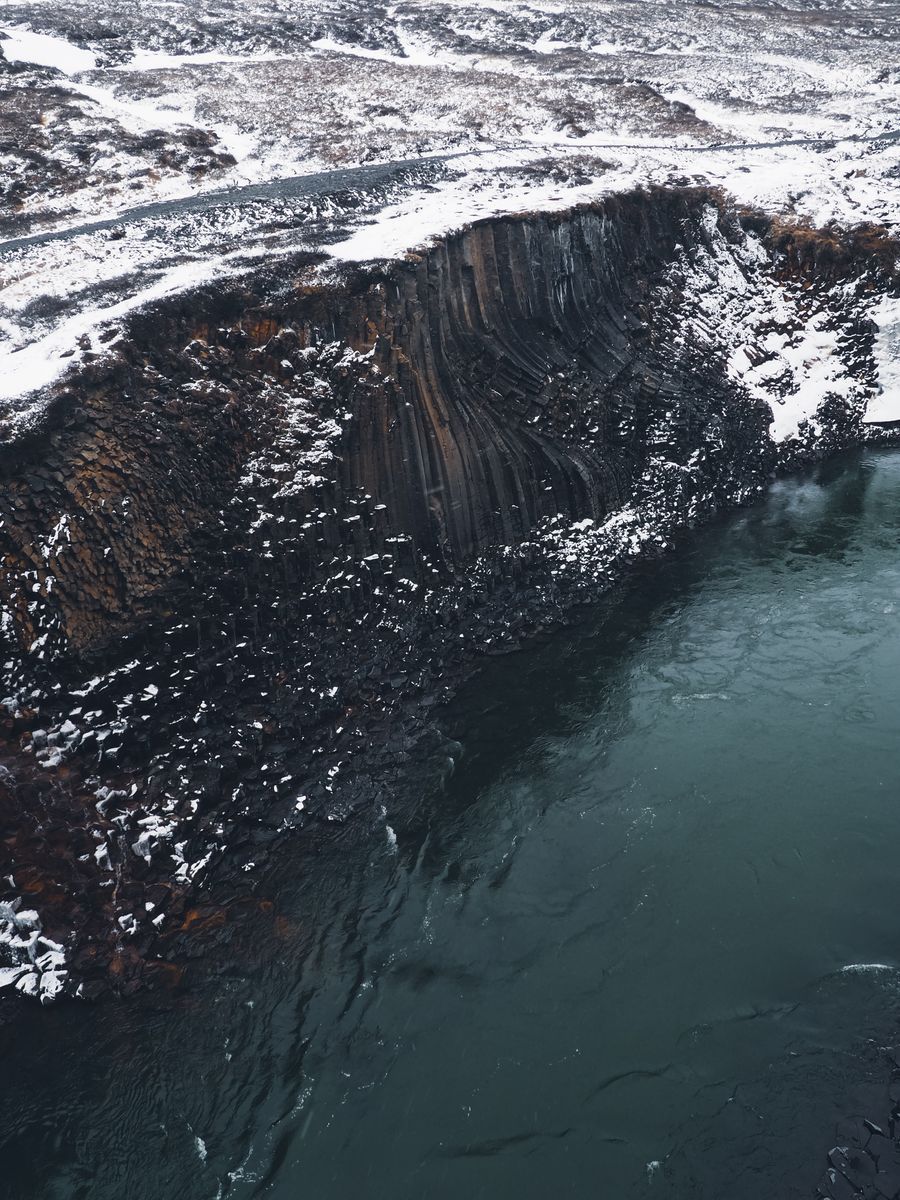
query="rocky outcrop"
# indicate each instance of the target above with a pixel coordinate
(263, 524)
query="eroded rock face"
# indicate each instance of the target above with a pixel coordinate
(264, 529)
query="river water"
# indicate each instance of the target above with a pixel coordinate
(643, 941)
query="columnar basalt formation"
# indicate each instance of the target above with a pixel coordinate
(262, 526)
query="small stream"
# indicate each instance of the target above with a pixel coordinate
(644, 940)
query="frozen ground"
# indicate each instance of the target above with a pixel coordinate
(156, 117)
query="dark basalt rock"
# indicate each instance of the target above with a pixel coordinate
(865, 1159)
(250, 545)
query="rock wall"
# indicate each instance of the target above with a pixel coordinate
(512, 373)
(264, 524)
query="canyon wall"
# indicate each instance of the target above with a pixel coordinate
(262, 521)
(518, 370)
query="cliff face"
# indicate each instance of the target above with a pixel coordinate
(261, 519)
(532, 359)
(515, 372)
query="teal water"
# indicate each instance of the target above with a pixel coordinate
(644, 940)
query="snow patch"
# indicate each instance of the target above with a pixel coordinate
(35, 964)
(42, 50)
(885, 405)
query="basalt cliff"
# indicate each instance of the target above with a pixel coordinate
(262, 527)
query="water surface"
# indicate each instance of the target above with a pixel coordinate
(642, 942)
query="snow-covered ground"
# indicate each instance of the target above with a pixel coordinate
(21, 45)
(539, 105)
